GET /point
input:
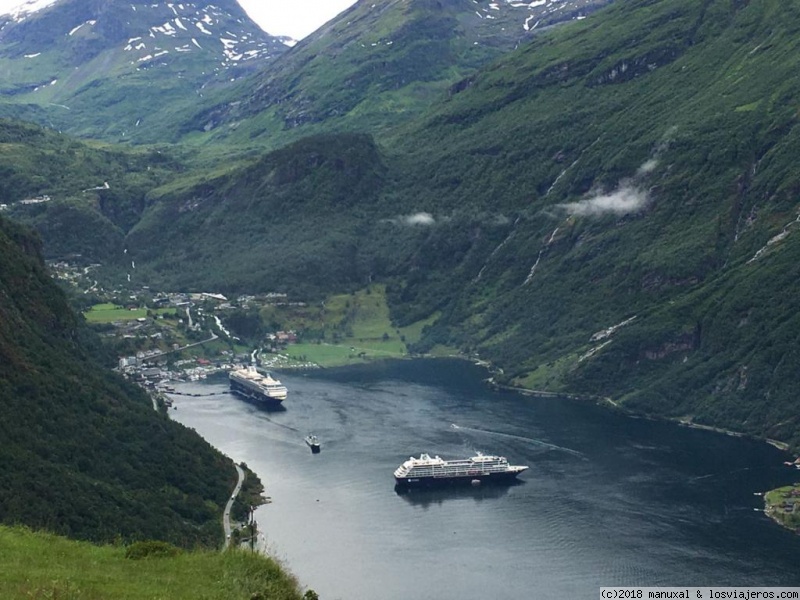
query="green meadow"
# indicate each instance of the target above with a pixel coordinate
(355, 328)
(45, 566)
(109, 313)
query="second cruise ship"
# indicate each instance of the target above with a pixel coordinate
(427, 470)
(250, 383)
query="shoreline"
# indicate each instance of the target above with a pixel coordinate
(609, 402)
(770, 509)
(781, 509)
(267, 548)
(605, 402)
(598, 400)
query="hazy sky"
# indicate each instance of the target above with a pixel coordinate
(295, 18)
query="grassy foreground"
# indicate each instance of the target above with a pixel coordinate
(45, 566)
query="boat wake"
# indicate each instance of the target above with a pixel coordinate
(724, 474)
(520, 438)
(288, 427)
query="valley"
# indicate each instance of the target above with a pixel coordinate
(593, 199)
(144, 326)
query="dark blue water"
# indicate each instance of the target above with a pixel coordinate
(608, 500)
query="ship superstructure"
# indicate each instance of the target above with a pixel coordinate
(250, 383)
(313, 443)
(427, 470)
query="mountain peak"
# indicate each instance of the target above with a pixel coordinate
(185, 26)
(65, 58)
(25, 9)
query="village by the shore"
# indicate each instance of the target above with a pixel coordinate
(782, 505)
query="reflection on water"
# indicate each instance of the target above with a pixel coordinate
(425, 497)
(268, 407)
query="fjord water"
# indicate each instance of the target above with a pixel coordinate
(608, 500)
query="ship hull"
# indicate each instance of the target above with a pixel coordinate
(443, 481)
(249, 393)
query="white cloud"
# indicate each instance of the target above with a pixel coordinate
(629, 197)
(295, 18)
(647, 167)
(624, 200)
(417, 219)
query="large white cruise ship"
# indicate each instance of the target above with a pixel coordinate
(425, 470)
(249, 382)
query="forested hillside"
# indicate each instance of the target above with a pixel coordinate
(291, 220)
(641, 170)
(83, 452)
(82, 198)
(611, 209)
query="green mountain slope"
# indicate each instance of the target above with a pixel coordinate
(84, 454)
(83, 199)
(643, 165)
(585, 213)
(291, 220)
(379, 63)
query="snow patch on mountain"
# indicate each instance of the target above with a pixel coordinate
(26, 9)
(236, 47)
(156, 35)
(535, 10)
(75, 29)
(166, 29)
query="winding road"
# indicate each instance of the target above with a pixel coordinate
(226, 515)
